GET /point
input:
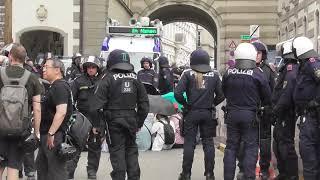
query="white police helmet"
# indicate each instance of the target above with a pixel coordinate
(245, 55)
(286, 50)
(91, 60)
(302, 48)
(245, 51)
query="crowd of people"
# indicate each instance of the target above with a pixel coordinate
(37, 101)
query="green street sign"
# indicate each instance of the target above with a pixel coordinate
(245, 37)
(133, 30)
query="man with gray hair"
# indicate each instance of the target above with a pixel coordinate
(56, 110)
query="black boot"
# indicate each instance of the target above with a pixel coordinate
(184, 176)
(293, 178)
(280, 177)
(31, 176)
(240, 176)
(210, 177)
(264, 175)
(92, 175)
(20, 174)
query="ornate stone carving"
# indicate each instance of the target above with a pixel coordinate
(42, 13)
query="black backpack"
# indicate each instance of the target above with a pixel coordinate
(169, 135)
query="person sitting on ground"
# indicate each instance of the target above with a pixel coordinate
(164, 131)
(144, 136)
(176, 119)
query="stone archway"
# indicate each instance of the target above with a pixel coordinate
(54, 40)
(200, 14)
(231, 18)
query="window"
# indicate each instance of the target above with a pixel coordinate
(199, 39)
(287, 33)
(305, 26)
(294, 28)
(317, 31)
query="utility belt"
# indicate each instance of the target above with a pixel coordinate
(255, 122)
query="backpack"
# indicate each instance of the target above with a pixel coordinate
(14, 112)
(169, 135)
(79, 125)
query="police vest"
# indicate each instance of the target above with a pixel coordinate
(122, 93)
(85, 92)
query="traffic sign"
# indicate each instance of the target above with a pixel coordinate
(255, 31)
(232, 45)
(245, 37)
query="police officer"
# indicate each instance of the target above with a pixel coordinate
(165, 76)
(265, 124)
(244, 87)
(83, 93)
(177, 72)
(307, 100)
(30, 66)
(147, 75)
(284, 111)
(126, 105)
(203, 88)
(75, 69)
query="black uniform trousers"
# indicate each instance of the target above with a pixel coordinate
(309, 146)
(94, 153)
(194, 120)
(49, 165)
(265, 145)
(284, 147)
(123, 151)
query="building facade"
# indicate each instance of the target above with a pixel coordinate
(2, 23)
(61, 27)
(179, 40)
(299, 18)
(80, 24)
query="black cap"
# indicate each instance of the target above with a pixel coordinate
(163, 62)
(200, 61)
(119, 59)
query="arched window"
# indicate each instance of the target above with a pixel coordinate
(294, 28)
(287, 33)
(279, 36)
(316, 30)
(305, 26)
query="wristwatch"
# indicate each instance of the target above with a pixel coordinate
(50, 134)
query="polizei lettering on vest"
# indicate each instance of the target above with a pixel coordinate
(241, 71)
(124, 75)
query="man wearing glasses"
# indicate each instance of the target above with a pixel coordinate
(56, 110)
